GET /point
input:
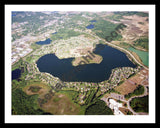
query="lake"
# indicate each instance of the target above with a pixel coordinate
(47, 41)
(92, 21)
(142, 54)
(91, 26)
(63, 69)
(16, 74)
(54, 33)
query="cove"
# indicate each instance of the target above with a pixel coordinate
(47, 41)
(63, 69)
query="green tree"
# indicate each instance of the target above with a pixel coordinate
(22, 104)
(140, 104)
(98, 108)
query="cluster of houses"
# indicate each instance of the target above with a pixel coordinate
(21, 47)
(45, 49)
(33, 73)
(119, 74)
(19, 50)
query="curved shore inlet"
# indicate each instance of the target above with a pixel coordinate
(63, 68)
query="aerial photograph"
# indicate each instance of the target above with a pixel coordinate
(80, 63)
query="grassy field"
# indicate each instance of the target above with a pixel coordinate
(144, 56)
(39, 98)
(43, 89)
(60, 103)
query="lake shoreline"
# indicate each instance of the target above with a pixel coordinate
(92, 72)
(128, 54)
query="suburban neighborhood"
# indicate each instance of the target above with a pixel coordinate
(115, 80)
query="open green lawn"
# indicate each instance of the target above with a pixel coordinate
(144, 56)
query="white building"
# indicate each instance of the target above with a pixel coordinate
(115, 106)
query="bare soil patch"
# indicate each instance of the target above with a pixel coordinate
(136, 26)
(124, 110)
(43, 89)
(144, 72)
(130, 85)
(126, 87)
(57, 104)
(137, 78)
(87, 59)
(60, 104)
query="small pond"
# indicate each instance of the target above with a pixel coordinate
(91, 26)
(16, 74)
(47, 41)
(92, 21)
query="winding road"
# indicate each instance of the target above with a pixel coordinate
(128, 101)
(115, 46)
(145, 86)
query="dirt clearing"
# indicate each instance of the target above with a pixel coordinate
(60, 104)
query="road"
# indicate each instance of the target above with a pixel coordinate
(115, 46)
(129, 107)
(128, 101)
(145, 86)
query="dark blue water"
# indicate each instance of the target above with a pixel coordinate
(63, 68)
(13, 13)
(16, 74)
(92, 21)
(54, 33)
(91, 26)
(47, 41)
